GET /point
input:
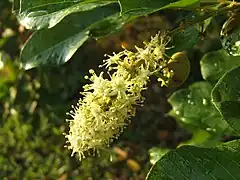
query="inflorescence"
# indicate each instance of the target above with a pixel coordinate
(108, 103)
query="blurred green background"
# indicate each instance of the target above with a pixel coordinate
(33, 106)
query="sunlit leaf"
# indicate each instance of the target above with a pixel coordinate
(57, 45)
(38, 14)
(156, 154)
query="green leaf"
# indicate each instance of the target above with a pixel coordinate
(57, 45)
(156, 153)
(193, 107)
(226, 97)
(184, 4)
(230, 35)
(205, 24)
(109, 25)
(38, 14)
(189, 162)
(202, 138)
(215, 64)
(144, 7)
(184, 40)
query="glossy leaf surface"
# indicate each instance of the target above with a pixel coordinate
(193, 106)
(57, 45)
(189, 162)
(144, 7)
(184, 40)
(226, 97)
(38, 14)
(215, 64)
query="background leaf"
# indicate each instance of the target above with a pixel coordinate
(184, 40)
(215, 64)
(226, 97)
(193, 107)
(143, 7)
(109, 25)
(183, 4)
(230, 35)
(188, 162)
(38, 14)
(156, 153)
(57, 45)
(202, 138)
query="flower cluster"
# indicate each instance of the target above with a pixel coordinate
(108, 103)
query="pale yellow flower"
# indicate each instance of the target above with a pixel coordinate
(108, 104)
